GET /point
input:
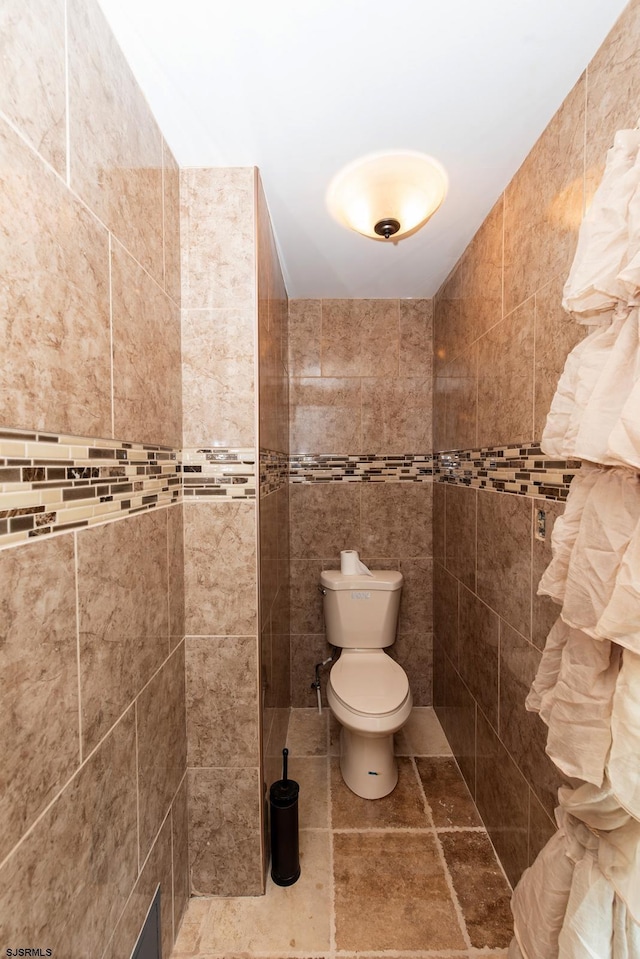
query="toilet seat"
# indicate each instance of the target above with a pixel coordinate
(369, 683)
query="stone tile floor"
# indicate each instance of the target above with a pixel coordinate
(413, 874)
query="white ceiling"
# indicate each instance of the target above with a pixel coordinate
(301, 87)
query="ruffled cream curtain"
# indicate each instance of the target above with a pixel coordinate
(581, 897)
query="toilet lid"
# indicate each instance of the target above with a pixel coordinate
(369, 682)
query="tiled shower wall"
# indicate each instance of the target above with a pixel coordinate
(500, 342)
(93, 792)
(360, 394)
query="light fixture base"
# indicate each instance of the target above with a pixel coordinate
(387, 227)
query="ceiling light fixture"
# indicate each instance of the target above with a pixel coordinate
(387, 196)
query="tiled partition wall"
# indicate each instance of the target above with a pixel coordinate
(93, 803)
(234, 552)
(501, 339)
(274, 496)
(360, 435)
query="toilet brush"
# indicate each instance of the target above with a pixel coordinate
(283, 802)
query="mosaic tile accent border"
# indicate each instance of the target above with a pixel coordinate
(221, 472)
(50, 483)
(274, 471)
(367, 468)
(523, 470)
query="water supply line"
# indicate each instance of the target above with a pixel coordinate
(316, 683)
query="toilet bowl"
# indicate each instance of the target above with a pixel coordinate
(368, 692)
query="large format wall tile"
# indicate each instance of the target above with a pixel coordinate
(162, 745)
(220, 569)
(504, 556)
(115, 143)
(123, 615)
(445, 611)
(556, 334)
(38, 681)
(55, 367)
(416, 337)
(326, 415)
(146, 356)
(218, 390)
(156, 871)
(360, 338)
(224, 843)
(32, 96)
(217, 238)
(479, 652)
(460, 539)
(458, 384)
(396, 519)
(180, 843)
(544, 203)
(543, 610)
(396, 415)
(324, 520)
(175, 531)
(505, 380)
(613, 91)
(222, 700)
(305, 337)
(66, 885)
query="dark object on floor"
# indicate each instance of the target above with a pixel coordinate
(148, 945)
(285, 853)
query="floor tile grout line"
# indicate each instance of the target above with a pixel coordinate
(447, 875)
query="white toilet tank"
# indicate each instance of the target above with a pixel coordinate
(361, 612)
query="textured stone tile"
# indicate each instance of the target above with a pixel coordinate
(396, 519)
(220, 569)
(505, 380)
(305, 337)
(306, 599)
(312, 775)
(543, 204)
(483, 892)
(439, 507)
(479, 652)
(307, 649)
(217, 209)
(416, 337)
(460, 543)
(56, 293)
(156, 870)
(325, 415)
(146, 379)
(460, 386)
(307, 735)
(422, 735)
(447, 794)
(541, 828)
(403, 808)
(38, 680)
(458, 718)
(504, 557)
(377, 874)
(222, 700)
(115, 143)
(162, 745)
(292, 919)
(33, 89)
(224, 832)
(68, 882)
(396, 415)
(218, 388)
(122, 593)
(360, 337)
(502, 797)
(325, 520)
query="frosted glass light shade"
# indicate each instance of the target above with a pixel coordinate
(404, 186)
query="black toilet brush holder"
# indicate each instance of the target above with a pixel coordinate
(285, 851)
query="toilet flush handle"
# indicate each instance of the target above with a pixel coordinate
(322, 590)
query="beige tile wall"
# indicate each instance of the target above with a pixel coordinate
(500, 343)
(360, 382)
(93, 792)
(273, 506)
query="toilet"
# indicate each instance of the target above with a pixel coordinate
(368, 692)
